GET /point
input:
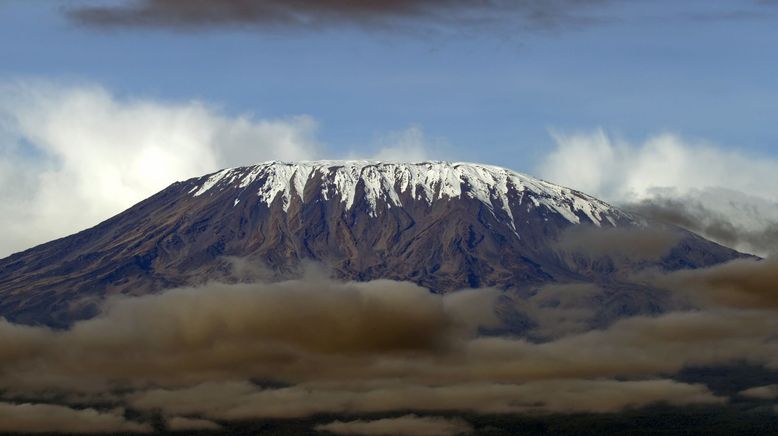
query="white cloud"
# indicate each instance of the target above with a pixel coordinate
(724, 185)
(410, 144)
(598, 163)
(71, 157)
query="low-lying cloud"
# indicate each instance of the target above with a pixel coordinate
(740, 283)
(178, 423)
(693, 215)
(240, 401)
(408, 424)
(208, 355)
(289, 331)
(49, 418)
(769, 392)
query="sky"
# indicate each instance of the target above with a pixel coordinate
(103, 103)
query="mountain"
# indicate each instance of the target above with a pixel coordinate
(442, 225)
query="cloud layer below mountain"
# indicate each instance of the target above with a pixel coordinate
(208, 355)
(408, 424)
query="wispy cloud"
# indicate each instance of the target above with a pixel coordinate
(408, 425)
(407, 145)
(306, 15)
(729, 229)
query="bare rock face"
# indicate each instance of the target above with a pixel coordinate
(445, 226)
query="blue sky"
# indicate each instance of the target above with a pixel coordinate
(625, 100)
(701, 69)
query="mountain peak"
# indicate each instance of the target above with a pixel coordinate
(393, 183)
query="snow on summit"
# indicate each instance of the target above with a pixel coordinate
(495, 187)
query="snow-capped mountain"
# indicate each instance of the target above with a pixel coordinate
(385, 182)
(441, 225)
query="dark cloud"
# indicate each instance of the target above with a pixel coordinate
(769, 392)
(178, 423)
(318, 14)
(316, 345)
(697, 218)
(239, 401)
(408, 425)
(49, 418)
(740, 283)
(285, 331)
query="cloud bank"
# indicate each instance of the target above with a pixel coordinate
(727, 196)
(203, 356)
(740, 283)
(48, 418)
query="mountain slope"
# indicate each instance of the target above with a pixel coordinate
(442, 225)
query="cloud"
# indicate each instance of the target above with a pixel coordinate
(307, 15)
(666, 344)
(48, 418)
(408, 424)
(316, 345)
(727, 196)
(692, 214)
(740, 283)
(557, 310)
(239, 401)
(406, 145)
(598, 163)
(71, 157)
(178, 423)
(769, 392)
(294, 330)
(196, 357)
